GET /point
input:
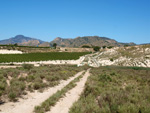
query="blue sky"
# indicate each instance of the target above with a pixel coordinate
(122, 20)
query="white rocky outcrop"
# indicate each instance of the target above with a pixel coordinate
(130, 56)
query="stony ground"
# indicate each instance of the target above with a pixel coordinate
(124, 56)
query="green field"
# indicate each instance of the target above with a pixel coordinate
(41, 56)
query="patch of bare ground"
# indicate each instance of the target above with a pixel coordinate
(3, 67)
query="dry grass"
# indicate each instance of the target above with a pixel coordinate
(115, 90)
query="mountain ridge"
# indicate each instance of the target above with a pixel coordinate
(87, 40)
(18, 39)
(62, 42)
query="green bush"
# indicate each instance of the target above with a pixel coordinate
(17, 86)
(36, 86)
(111, 59)
(27, 66)
(30, 78)
(96, 48)
(104, 47)
(2, 85)
(86, 46)
(109, 47)
(12, 96)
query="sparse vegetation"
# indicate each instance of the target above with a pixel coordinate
(115, 90)
(15, 82)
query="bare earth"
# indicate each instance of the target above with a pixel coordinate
(63, 105)
(27, 104)
(3, 67)
(4, 51)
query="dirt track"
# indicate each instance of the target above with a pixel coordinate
(63, 105)
(31, 100)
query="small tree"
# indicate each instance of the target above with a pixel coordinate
(15, 44)
(126, 45)
(104, 47)
(54, 45)
(96, 48)
(86, 46)
(110, 47)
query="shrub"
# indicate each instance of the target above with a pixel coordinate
(22, 79)
(11, 63)
(17, 86)
(96, 48)
(104, 47)
(110, 47)
(111, 59)
(2, 86)
(36, 86)
(3, 83)
(12, 96)
(86, 46)
(27, 66)
(30, 78)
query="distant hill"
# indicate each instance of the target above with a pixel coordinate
(77, 42)
(22, 40)
(145, 44)
(87, 40)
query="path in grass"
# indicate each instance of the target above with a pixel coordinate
(63, 105)
(31, 100)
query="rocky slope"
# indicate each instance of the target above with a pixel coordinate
(120, 56)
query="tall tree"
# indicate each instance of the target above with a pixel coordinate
(54, 45)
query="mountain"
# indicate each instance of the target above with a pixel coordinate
(77, 42)
(87, 40)
(45, 44)
(30, 43)
(22, 40)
